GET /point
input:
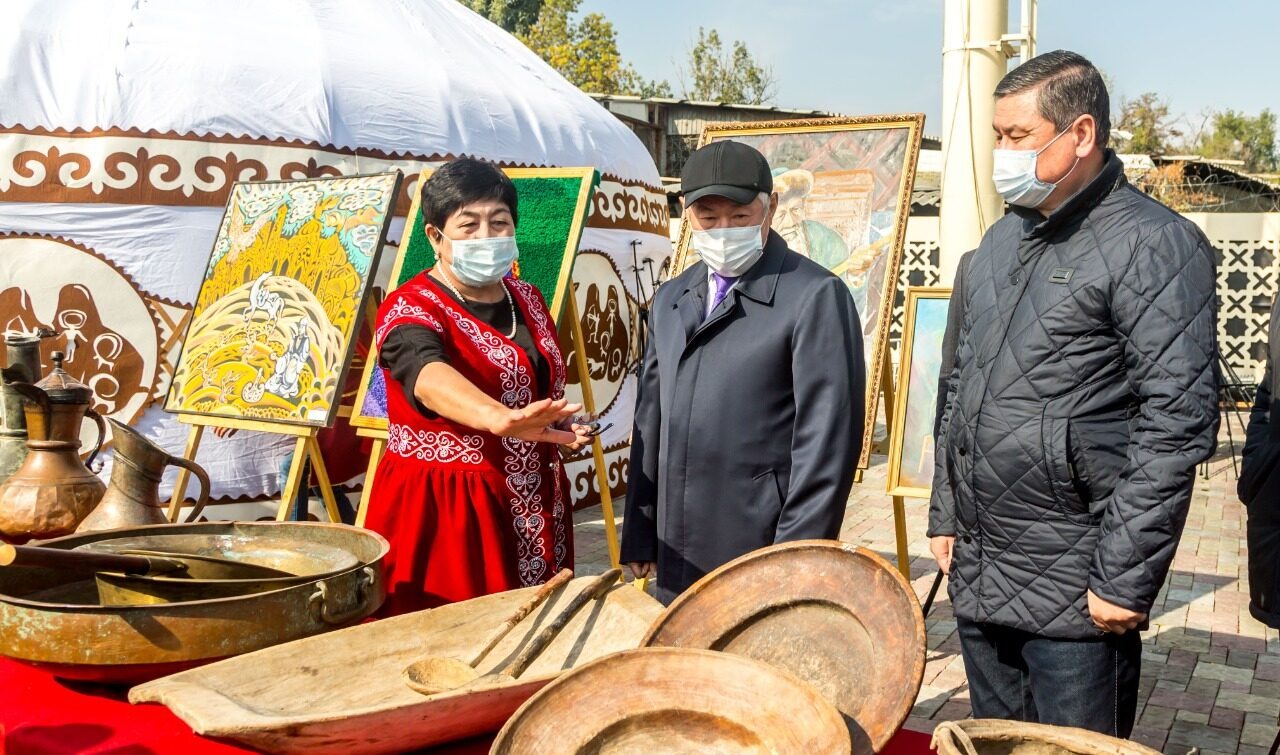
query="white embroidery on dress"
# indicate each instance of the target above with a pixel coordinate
(547, 338)
(402, 311)
(521, 460)
(441, 446)
(546, 335)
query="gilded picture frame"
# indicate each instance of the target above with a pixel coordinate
(844, 188)
(911, 437)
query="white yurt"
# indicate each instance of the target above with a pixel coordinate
(124, 123)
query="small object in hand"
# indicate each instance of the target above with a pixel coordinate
(594, 428)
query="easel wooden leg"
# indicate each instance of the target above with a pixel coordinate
(900, 532)
(180, 485)
(322, 477)
(597, 450)
(375, 456)
(290, 492)
(887, 393)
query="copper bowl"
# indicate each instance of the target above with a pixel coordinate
(60, 625)
(837, 616)
(673, 700)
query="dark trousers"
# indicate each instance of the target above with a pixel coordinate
(1019, 676)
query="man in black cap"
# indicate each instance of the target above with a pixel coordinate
(749, 419)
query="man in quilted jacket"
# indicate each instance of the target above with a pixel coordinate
(1082, 395)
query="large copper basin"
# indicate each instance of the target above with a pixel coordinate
(58, 624)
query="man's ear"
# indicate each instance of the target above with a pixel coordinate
(1086, 133)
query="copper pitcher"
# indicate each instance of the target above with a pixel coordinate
(22, 365)
(53, 490)
(133, 497)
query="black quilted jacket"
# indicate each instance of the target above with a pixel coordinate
(1083, 394)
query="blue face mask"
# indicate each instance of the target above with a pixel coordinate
(1014, 173)
(483, 262)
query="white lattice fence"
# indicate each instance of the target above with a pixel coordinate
(1247, 281)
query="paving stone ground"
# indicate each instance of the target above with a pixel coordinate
(1210, 672)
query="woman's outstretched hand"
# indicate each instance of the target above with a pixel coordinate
(536, 421)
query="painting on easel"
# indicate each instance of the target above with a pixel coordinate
(554, 203)
(273, 326)
(919, 366)
(844, 192)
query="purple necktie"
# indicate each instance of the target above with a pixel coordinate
(723, 284)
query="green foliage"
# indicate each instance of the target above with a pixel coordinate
(1236, 136)
(586, 51)
(723, 75)
(516, 16)
(1147, 119)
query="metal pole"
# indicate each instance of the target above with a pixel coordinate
(974, 59)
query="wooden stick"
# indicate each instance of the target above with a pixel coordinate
(322, 477)
(900, 533)
(562, 577)
(92, 561)
(375, 456)
(180, 485)
(597, 587)
(290, 493)
(597, 450)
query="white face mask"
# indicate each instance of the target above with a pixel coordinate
(1014, 173)
(729, 251)
(482, 262)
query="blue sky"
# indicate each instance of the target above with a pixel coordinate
(880, 56)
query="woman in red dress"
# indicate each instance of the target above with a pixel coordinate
(471, 491)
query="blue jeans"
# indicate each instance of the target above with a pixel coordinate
(1019, 676)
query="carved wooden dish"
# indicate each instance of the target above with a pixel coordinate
(837, 616)
(674, 700)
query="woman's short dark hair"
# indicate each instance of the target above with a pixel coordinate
(459, 183)
(1070, 86)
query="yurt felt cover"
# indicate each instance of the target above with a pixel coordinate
(125, 125)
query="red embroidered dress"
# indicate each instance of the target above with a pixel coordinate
(469, 513)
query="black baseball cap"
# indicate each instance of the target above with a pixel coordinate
(725, 169)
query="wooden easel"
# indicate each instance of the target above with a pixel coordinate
(899, 502)
(886, 394)
(597, 449)
(306, 449)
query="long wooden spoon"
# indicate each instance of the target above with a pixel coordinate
(447, 673)
(429, 676)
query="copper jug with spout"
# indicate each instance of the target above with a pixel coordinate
(133, 496)
(53, 490)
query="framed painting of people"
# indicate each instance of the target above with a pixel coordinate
(274, 325)
(911, 441)
(844, 193)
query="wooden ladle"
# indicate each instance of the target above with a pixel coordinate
(433, 675)
(134, 562)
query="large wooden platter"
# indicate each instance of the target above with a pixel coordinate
(343, 692)
(675, 700)
(838, 616)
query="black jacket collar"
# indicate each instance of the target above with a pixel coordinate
(1111, 177)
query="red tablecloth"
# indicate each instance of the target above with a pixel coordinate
(42, 715)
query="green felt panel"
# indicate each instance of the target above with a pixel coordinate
(547, 217)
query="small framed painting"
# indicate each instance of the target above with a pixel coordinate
(911, 441)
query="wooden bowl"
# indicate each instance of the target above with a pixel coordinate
(674, 700)
(837, 616)
(985, 736)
